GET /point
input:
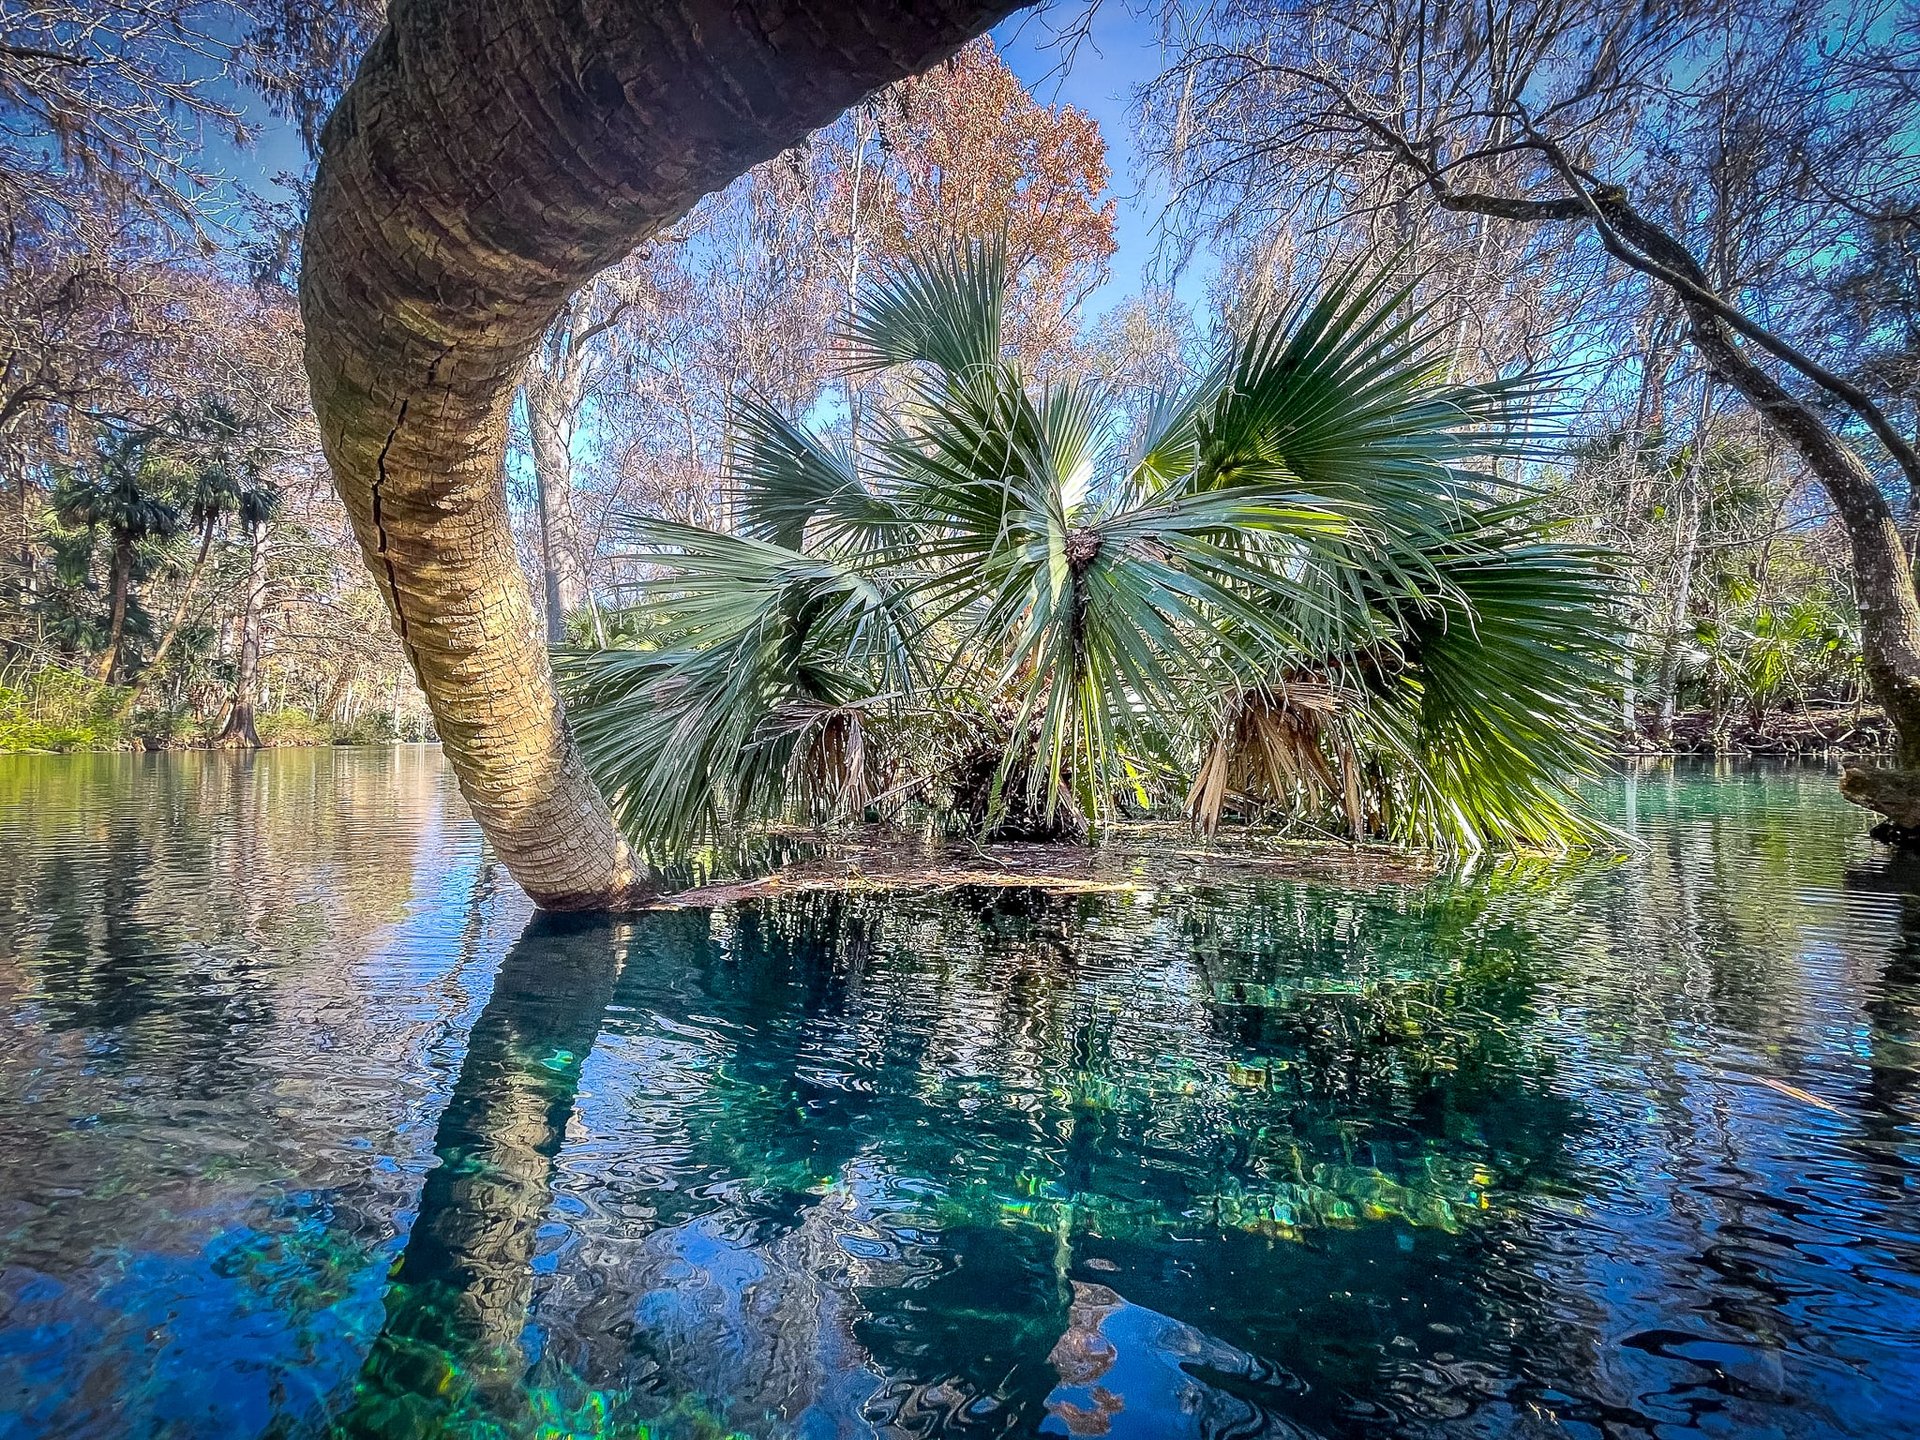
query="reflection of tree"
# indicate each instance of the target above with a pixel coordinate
(110, 964)
(1708, 1014)
(211, 1055)
(1892, 1090)
(458, 1299)
(896, 1135)
(167, 906)
(1123, 1365)
(1406, 1011)
(1354, 1160)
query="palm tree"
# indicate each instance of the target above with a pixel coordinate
(1303, 595)
(451, 218)
(255, 507)
(222, 478)
(122, 495)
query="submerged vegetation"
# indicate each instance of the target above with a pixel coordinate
(1303, 592)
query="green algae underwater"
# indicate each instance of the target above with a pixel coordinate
(312, 1129)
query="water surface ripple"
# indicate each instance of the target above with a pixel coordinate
(311, 1129)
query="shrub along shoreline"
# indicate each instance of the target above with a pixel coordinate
(57, 711)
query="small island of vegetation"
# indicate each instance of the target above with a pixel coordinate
(1058, 656)
(1297, 591)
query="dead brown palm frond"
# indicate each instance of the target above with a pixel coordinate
(1273, 747)
(829, 766)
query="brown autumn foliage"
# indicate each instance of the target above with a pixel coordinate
(966, 151)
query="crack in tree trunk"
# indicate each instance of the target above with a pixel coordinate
(488, 160)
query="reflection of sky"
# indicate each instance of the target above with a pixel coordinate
(834, 1184)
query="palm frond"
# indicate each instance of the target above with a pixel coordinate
(694, 734)
(944, 309)
(1307, 596)
(790, 483)
(1517, 682)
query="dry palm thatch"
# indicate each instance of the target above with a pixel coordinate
(829, 761)
(1282, 745)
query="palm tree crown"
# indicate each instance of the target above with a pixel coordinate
(1303, 595)
(126, 492)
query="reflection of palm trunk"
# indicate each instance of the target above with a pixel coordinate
(458, 1300)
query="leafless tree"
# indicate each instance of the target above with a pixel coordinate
(1694, 165)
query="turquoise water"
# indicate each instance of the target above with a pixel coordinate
(308, 1128)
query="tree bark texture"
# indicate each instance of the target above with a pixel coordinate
(554, 387)
(490, 158)
(1688, 505)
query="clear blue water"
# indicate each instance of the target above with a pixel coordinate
(308, 1128)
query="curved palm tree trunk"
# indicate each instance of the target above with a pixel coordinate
(489, 159)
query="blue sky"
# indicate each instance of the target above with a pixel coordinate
(1122, 51)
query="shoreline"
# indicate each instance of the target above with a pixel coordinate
(209, 748)
(1134, 858)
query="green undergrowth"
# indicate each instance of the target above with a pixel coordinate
(55, 710)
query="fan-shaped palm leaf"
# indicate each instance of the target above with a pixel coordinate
(1307, 592)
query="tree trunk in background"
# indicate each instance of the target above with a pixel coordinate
(173, 625)
(1889, 607)
(120, 581)
(21, 483)
(1686, 553)
(239, 731)
(1883, 579)
(329, 709)
(555, 381)
(488, 160)
(1666, 680)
